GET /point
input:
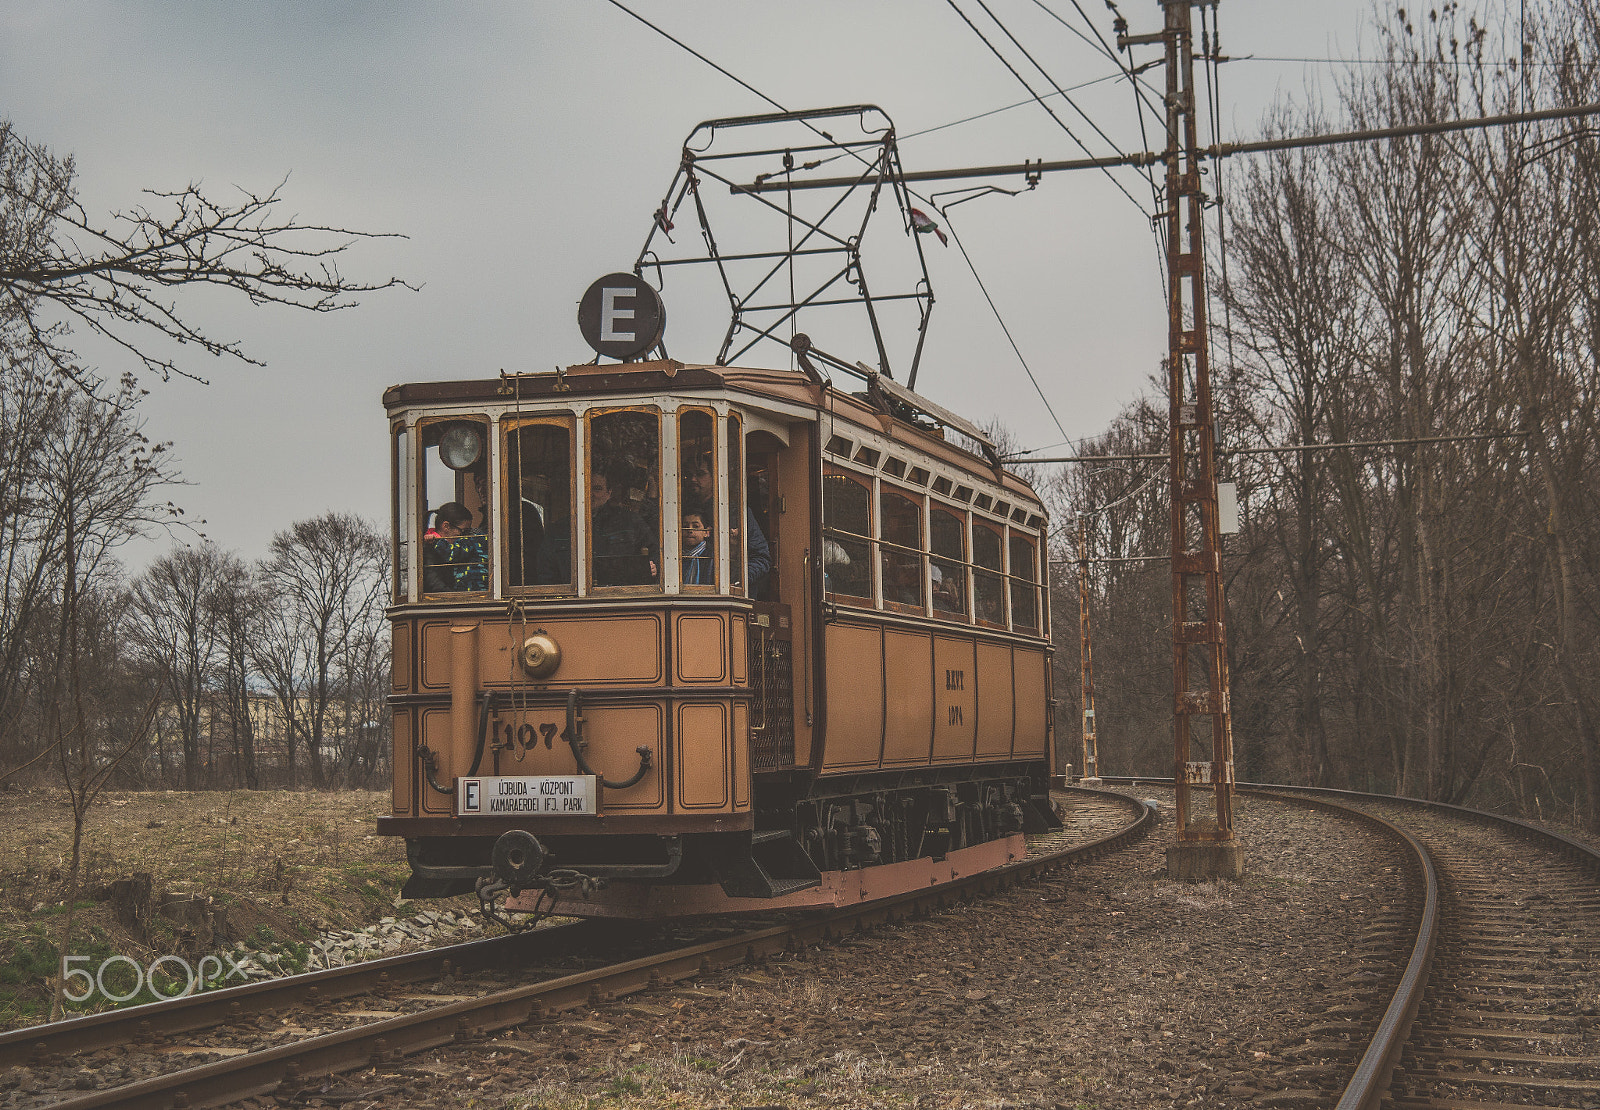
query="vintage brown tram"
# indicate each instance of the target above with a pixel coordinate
(841, 693)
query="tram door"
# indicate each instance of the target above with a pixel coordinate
(772, 470)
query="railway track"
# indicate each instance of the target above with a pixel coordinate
(285, 1037)
(1495, 999)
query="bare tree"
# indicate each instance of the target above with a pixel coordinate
(33, 414)
(100, 480)
(326, 583)
(237, 605)
(117, 276)
(180, 632)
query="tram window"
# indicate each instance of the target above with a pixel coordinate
(1024, 592)
(868, 457)
(919, 476)
(761, 477)
(895, 468)
(847, 522)
(902, 549)
(699, 528)
(988, 579)
(983, 502)
(403, 545)
(838, 445)
(625, 498)
(941, 486)
(454, 497)
(947, 541)
(735, 463)
(538, 513)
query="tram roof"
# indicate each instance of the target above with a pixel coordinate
(670, 376)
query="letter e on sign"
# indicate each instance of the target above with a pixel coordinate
(622, 316)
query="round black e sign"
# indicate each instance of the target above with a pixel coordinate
(622, 316)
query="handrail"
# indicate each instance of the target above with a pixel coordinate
(574, 739)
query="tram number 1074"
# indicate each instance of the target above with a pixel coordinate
(519, 738)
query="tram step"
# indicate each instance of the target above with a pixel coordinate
(772, 864)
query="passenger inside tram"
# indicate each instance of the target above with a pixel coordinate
(700, 484)
(623, 543)
(539, 506)
(698, 564)
(455, 558)
(625, 498)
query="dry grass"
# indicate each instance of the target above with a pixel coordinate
(282, 863)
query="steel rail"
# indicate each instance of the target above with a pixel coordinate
(204, 1009)
(1369, 1085)
(1569, 848)
(286, 1068)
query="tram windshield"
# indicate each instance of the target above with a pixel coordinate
(697, 499)
(625, 498)
(455, 497)
(538, 504)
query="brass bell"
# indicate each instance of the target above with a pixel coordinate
(539, 655)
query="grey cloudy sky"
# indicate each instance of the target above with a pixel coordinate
(522, 148)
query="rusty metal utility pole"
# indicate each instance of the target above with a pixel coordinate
(1205, 848)
(1091, 743)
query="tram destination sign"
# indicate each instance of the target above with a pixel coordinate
(622, 316)
(540, 795)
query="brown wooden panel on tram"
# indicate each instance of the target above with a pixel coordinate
(436, 734)
(400, 663)
(908, 680)
(995, 716)
(704, 765)
(528, 740)
(699, 647)
(532, 745)
(613, 732)
(855, 696)
(739, 651)
(741, 765)
(596, 649)
(405, 762)
(1031, 689)
(955, 693)
(791, 547)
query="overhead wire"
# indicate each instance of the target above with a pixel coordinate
(1073, 104)
(1023, 81)
(1104, 47)
(985, 115)
(1210, 49)
(971, 266)
(1140, 103)
(739, 81)
(962, 247)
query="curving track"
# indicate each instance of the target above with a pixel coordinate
(230, 1024)
(1510, 1012)
(1492, 973)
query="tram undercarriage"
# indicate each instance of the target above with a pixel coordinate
(858, 824)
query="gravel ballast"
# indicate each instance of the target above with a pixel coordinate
(1111, 987)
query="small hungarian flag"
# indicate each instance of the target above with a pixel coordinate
(922, 224)
(664, 223)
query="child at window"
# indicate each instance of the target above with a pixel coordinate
(697, 568)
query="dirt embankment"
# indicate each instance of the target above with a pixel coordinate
(184, 873)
